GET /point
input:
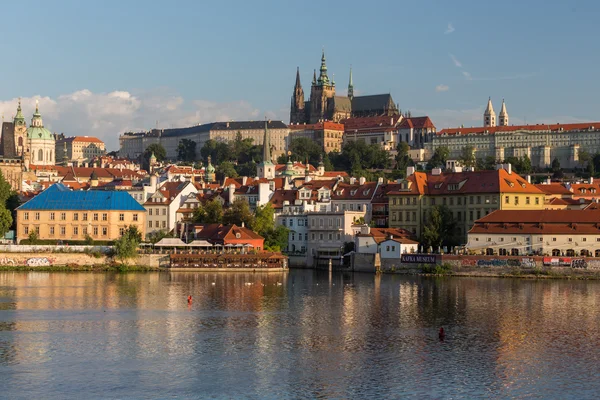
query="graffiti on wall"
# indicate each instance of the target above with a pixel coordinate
(7, 261)
(38, 262)
(579, 263)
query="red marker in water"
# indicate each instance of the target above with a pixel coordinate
(189, 300)
(442, 333)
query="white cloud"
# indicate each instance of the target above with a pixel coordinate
(107, 115)
(455, 61)
(441, 88)
(450, 29)
(467, 75)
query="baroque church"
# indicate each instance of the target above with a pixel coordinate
(35, 145)
(324, 105)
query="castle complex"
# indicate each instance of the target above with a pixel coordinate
(324, 105)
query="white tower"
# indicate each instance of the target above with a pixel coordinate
(503, 116)
(489, 116)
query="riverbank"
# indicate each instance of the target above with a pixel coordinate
(81, 268)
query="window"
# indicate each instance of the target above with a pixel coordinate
(84, 217)
(471, 200)
(478, 199)
(75, 230)
(387, 248)
(393, 248)
(320, 236)
(52, 216)
(26, 216)
(459, 201)
(459, 216)
(37, 216)
(63, 216)
(121, 231)
(104, 231)
(63, 230)
(293, 236)
(554, 239)
(121, 217)
(149, 211)
(471, 215)
(312, 236)
(527, 201)
(104, 217)
(516, 200)
(291, 222)
(149, 224)
(506, 200)
(95, 216)
(330, 236)
(51, 231)
(570, 239)
(164, 211)
(75, 217)
(164, 224)
(26, 230)
(135, 217)
(537, 200)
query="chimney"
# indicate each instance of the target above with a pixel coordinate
(528, 178)
(244, 180)
(361, 180)
(410, 171)
(352, 180)
(243, 225)
(436, 171)
(591, 180)
(231, 193)
(509, 168)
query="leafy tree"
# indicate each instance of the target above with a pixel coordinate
(327, 164)
(127, 245)
(226, 169)
(489, 163)
(218, 151)
(301, 148)
(209, 213)
(525, 165)
(357, 156)
(89, 241)
(243, 150)
(264, 220)
(156, 236)
(6, 221)
(33, 237)
(277, 239)
(247, 169)
(467, 157)
(555, 165)
(439, 157)
(402, 158)
(440, 229)
(238, 213)
(159, 152)
(186, 150)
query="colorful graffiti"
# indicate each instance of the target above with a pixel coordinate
(7, 261)
(38, 262)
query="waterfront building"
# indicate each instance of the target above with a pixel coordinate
(469, 195)
(541, 232)
(163, 204)
(229, 236)
(132, 145)
(369, 240)
(328, 135)
(78, 149)
(324, 105)
(59, 213)
(356, 195)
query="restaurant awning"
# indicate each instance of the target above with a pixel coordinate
(171, 242)
(200, 243)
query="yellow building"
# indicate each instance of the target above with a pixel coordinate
(469, 196)
(59, 213)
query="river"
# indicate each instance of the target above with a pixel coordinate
(301, 334)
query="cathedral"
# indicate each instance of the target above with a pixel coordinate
(324, 105)
(34, 145)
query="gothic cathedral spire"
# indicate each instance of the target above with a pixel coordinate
(489, 116)
(503, 116)
(323, 78)
(350, 86)
(297, 106)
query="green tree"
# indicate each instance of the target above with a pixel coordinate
(467, 157)
(402, 158)
(159, 152)
(277, 239)
(218, 151)
(156, 236)
(301, 148)
(247, 169)
(186, 150)
(584, 157)
(238, 213)
(264, 219)
(525, 165)
(33, 237)
(89, 241)
(489, 163)
(127, 245)
(357, 156)
(226, 169)
(209, 213)
(439, 157)
(440, 229)
(6, 221)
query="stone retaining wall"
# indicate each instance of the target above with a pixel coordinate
(39, 259)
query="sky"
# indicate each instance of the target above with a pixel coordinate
(101, 68)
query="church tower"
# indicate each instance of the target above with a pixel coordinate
(503, 116)
(266, 169)
(20, 132)
(350, 87)
(489, 116)
(297, 109)
(321, 91)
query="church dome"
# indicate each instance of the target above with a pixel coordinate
(36, 130)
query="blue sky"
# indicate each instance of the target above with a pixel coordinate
(101, 68)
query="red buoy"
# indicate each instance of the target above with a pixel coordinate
(442, 333)
(190, 300)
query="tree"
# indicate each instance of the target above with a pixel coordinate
(402, 158)
(33, 237)
(247, 169)
(357, 156)
(489, 163)
(439, 157)
(584, 157)
(525, 165)
(127, 245)
(89, 241)
(467, 157)
(186, 150)
(264, 219)
(209, 213)
(218, 151)
(6, 221)
(159, 152)
(238, 213)
(277, 239)
(156, 236)
(301, 148)
(440, 229)
(226, 169)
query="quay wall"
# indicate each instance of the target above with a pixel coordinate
(39, 259)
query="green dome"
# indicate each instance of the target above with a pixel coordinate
(210, 169)
(39, 132)
(289, 168)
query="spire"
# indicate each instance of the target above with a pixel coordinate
(323, 78)
(266, 145)
(503, 109)
(314, 81)
(37, 117)
(489, 116)
(350, 86)
(19, 118)
(298, 85)
(503, 116)
(490, 108)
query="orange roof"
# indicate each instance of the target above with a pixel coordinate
(87, 139)
(556, 128)
(371, 124)
(447, 183)
(416, 122)
(318, 126)
(553, 188)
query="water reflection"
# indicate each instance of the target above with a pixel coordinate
(297, 334)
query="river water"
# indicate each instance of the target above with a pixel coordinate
(301, 334)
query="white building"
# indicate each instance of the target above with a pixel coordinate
(329, 232)
(162, 206)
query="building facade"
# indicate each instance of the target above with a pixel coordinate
(78, 149)
(59, 213)
(328, 135)
(324, 105)
(132, 145)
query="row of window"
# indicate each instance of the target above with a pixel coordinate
(301, 222)
(75, 230)
(84, 216)
(540, 239)
(293, 236)
(321, 236)
(157, 211)
(157, 224)
(327, 222)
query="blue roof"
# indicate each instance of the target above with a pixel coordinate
(60, 197)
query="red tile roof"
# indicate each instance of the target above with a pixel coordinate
(346, 191)
(371, 124)
(281, 195)
(555, 128)
(87, 139)
(416, 123)
(318, 126)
